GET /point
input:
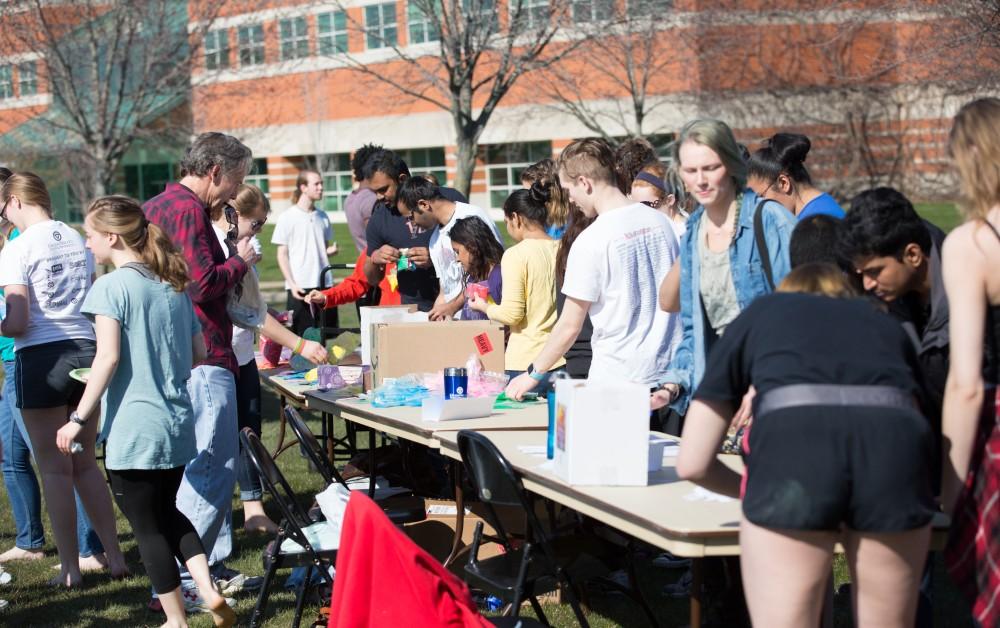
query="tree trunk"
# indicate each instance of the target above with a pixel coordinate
(465, 161)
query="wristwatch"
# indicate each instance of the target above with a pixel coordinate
(535, 375)
(75, 417)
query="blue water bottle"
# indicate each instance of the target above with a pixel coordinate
(550, 442)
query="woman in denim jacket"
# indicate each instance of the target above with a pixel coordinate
(721, 269)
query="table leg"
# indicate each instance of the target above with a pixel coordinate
(697, 575)
(371, 463)
(457, 544)
(328, 432)
(281, 426)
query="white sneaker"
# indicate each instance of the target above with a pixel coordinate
(5, 577)
(194, 603)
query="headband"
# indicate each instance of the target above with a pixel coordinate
(653, 180)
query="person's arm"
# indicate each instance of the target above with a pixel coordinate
(965, 282)
(564, 333)
(15, 323)
(445, 310)
(199, 352)
(513, 305)
(779, 223)
(286, 272)
(105, 363)
(704, 427)
(308, 349)
(670, 290)
(209, 280)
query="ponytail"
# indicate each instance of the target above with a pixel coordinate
(122, 216)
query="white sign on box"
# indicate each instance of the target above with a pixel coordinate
(602, 433)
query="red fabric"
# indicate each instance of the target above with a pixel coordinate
(973, 552)
(356, 285)
(384, 579)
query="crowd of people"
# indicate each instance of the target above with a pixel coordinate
(850, 356)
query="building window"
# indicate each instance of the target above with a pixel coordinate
(250, 40)
(27, 78)
(144, 181)
(592, 10)
(506, 162)
(422, 161)
(332, 35)
(481, 12)
(216, 50)
(534, 14)
(338, 180)
(380, 25)
(6, 82)
(258, 176)
(423, 28)
(294, 38)
(650, 8)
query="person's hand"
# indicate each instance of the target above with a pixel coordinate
(744, 414)
(316, 298)
(245, 250)
(519, 385)
(314, 352)
(420, 256)
(66, 435)
(385, 254)
(477, 303)
(441, 312)
(333, 249)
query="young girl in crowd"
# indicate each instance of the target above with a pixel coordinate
(148, 339)
(245, 218)
(839, 451)
(971, 419)
(479, 253)
(777, 172)
(654, 186)
(45, 274)
(721, 270)
(528, 305)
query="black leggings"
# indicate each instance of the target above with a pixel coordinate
(148, 498)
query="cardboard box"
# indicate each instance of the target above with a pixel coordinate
(402, 348)
(436, 533)
(383, 314)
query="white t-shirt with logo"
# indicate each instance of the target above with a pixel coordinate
(618, 264)
(446, 265)
(305, 233)
(51, 260)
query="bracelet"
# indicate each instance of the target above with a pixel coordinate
(298, 348)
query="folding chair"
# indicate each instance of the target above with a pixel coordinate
(400, 508)
(299, 542)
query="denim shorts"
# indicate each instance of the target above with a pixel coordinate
(43, 380)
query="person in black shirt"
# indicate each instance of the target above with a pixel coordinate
(837, 452)
(388, 232)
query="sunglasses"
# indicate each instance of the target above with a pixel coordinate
(231, 218)
(654, 204)
(257, 225)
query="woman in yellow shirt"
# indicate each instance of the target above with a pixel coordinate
(528, 305)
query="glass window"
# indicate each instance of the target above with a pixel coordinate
(652, 8)
(426, 161)
(506, 162)
(258, 176)
(250, 41)
(145, 181)
(534, 13)
(592, 10)
(217, 49)
(332, 32)
(380, 25)
(479, 11)
(27, 76)
(423, 27)
(294, 38)
(338, 180)
(6, 82)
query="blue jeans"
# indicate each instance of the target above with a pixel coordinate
(206, 492)
(18, 474)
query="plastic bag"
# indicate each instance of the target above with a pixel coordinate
(245, 304)
(408, 390)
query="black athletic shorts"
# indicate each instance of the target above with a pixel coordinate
(42, 373)
(825, 468)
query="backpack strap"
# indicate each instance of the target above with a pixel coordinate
(758, 234)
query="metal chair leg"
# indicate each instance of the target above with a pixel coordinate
(261, 606)
(300, 597)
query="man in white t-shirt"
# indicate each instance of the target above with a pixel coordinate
(304, 238)
(423, 204)
(613, 273)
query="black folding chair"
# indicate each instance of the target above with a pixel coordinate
(401, 508)
(300, 542)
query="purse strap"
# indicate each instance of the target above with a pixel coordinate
(758, 234)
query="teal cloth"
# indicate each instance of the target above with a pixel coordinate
(7, 344)
(148, 419)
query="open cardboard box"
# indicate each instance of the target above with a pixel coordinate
(403, 348)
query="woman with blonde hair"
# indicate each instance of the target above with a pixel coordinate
(971, 416)
(45, 275)
(148, 339)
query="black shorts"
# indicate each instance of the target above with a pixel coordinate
(824, 468)
(42, 373)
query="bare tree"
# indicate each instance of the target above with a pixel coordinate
(116, 70)
(473, 56)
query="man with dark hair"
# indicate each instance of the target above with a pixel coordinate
(388, 232)
(423, 204)
(814, 239)
(360, 203)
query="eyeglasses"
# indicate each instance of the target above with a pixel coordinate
(231, 218)
(654, 204)
(3, 210)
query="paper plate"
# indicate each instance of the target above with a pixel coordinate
(80, 375)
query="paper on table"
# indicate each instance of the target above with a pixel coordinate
(532, 450)
(444, 510)
(700, 494)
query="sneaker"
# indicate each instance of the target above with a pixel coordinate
(666, 560)
(4, 604)
(231, 581)
(5, 576)
(194, 603)
(681, 588)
